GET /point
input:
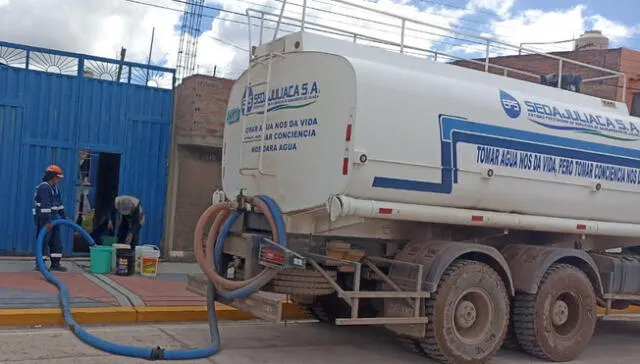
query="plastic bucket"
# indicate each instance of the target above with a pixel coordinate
(100, 259)
(125, 260)
(109, 240)
(117, 247)
(149, 266)
(149, 251)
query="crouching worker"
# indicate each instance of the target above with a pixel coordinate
(48, 207)
(131, 219)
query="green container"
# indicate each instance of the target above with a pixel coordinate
(100, 259)
(109, 240)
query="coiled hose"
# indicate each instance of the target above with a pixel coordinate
(227, 289)
(209, 253)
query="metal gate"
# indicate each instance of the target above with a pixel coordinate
(54, 104)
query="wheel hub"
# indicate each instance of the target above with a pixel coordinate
(560, 313)
(465, 314)
(472, 316)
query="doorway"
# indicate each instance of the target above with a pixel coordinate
(635, 105)
(97, 185)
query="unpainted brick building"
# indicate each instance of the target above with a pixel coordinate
(620, 59)
(195, 171)
(201, 105)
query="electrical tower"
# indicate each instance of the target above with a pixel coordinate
(189, 34)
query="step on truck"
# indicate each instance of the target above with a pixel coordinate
(462, 208)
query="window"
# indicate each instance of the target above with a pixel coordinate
(635, 104)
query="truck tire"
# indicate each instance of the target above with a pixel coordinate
(411, 344)
(557, 323)
(468, 315)
(510, 339)
(305, 282)
(310, 305)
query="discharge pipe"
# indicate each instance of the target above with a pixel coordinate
(219, 231)
(208, 252)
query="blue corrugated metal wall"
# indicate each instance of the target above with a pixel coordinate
(49, 117)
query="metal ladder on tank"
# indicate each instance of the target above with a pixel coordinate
(254, 61)
(261, 60)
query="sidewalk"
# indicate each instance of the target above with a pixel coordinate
(26, 298)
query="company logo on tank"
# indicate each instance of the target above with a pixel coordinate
(280, 98)
(569, 119)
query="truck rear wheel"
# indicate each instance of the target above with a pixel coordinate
(468, 314)
(558, 322)
(510, 339)
(411, 344)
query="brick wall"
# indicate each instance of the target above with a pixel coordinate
(199, 176)
(630, 64)
(201, 105)
(541, 65)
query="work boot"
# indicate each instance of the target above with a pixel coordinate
(56, 266)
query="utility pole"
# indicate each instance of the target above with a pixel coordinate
(153, 33)
(123, 52)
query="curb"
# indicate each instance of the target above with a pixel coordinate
(140, 314)
(629, 310)
(150, 314)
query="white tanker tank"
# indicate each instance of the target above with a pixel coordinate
(351, 120)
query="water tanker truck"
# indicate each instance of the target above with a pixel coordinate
(460, 209)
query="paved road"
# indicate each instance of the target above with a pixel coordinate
(259, 343)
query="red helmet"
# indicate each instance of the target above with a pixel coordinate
(55, 169)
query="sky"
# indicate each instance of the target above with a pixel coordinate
(101, 27)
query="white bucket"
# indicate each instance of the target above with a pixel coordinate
(147, 259)
(113, 257)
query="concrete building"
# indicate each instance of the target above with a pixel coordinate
(591, 48)
(195, 172)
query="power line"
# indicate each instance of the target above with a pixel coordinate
(222, 10)
(229, 44)
(297, 25)
(422, 12)
(234, 13)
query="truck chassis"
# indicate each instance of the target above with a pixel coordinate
(457, 295)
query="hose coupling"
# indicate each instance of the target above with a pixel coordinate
(157, 353)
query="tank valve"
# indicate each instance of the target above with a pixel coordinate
(488, 173)
(596, 186)
(218, 197)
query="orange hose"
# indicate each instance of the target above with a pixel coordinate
(199, 242)
(205, 254)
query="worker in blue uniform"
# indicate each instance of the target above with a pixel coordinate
(47, 208)
(131, 219)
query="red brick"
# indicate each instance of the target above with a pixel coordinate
(630, 65)
(78, 285)
(542, 65)
(157, 292)
(201, 105)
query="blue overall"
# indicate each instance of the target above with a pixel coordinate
(48, 207)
